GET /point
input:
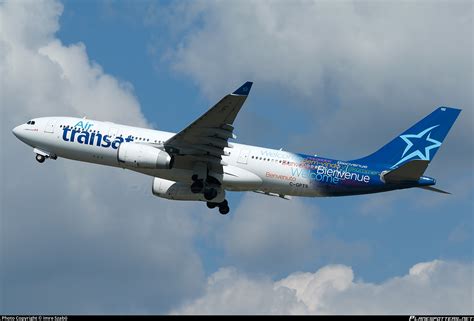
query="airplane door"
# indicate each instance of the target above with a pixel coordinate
(49, 127)
(243, 157)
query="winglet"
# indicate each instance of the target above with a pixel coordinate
(244, 89)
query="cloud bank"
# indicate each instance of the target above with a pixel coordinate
(79, 238)
(355, 71)
(435, 287)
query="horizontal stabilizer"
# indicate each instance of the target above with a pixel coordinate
(430, 188)
(410, 171)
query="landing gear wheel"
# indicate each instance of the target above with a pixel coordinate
(197, 186)
(211, 205)
(40, 158)
(224, 210)
(210, 193)
(224, 207)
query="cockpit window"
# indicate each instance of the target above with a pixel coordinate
(31, 122)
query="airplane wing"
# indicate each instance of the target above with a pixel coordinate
(204, 140)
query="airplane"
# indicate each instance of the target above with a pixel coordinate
(200, 163)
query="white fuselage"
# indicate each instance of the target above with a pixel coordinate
(199, 164)
(246, 168)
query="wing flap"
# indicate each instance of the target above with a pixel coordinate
(218, 132)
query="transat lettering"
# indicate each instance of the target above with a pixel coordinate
(91, 138)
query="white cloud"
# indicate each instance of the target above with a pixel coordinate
(357, 71)
(305, 44)
(45, 75)
(270, 235)
(435, 287)
(231, 292)
(79, 238)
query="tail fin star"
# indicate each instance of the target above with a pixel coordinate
(414, 150)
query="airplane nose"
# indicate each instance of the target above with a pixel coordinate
(16, 131)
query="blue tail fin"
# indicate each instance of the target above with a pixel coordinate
(421, 141)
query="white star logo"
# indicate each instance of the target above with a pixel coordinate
(417, 151)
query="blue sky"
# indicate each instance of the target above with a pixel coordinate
(331, 79)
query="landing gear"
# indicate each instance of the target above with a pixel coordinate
(40, 158)
(210, 189)
(211, 205)
(207, 187)
(41, 155)
(210, 193)
(197, 186)
(224, 207)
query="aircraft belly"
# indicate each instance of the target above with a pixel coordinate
(85, 153)
(279, 180)
(239, 179)
(234, 178)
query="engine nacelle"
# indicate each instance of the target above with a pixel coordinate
(143, 156)
(181, 191)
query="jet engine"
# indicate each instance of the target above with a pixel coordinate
(181, 191)
(143, 156)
